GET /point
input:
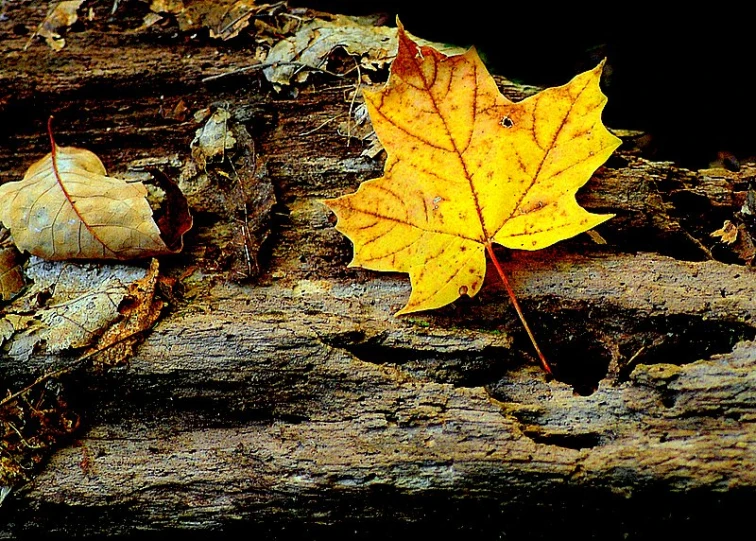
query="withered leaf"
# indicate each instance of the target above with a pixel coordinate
(69, 305)
(224, 19)
(310, 47)
(728, 233)
(235, 191)
(139, 311)
(66, 207)
(213, 139)
(11, 275)
(62, 15)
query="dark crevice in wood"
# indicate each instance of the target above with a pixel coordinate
(567, 441)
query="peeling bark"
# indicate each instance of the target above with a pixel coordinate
(296, 402)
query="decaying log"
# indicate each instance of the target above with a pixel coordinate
(294, 400)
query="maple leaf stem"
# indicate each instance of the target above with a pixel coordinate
(52, 144)
(516, 304)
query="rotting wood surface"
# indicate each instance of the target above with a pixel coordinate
(294, 401)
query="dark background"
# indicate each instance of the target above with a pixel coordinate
(683, 76)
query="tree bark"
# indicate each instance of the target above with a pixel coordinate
(294, 401)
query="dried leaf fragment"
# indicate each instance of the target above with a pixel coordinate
(62, 15)
(213, 139)
(312, 44)
(66, 207)
(139, 310)
(224, 19)
(68, 306)
(468, 168)
(728, 233)
(11, 275)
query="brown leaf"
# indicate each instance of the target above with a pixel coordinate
(139, 310)
(11, 275)
(213, 139)
(311, 46)
(235, 192)
(67, 208)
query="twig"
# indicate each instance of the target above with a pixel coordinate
(269, 65)
(351, 103)
(309, 132)
(50, 375)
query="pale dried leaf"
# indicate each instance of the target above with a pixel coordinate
(313, 43)
(79, 212)
(213, 139)
(63, 15)
(596, 236)
(149, 20)
(79, 302)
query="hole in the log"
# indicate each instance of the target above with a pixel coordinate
(679, 340)
(575, 350)
(568, 441)
(460, 368)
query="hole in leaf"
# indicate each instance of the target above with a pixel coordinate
(507, 122)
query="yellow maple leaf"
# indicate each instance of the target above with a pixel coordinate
(468, 168)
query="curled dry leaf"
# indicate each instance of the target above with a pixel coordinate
(311, 46)
(139, 311)
(728, 233)
(66, 207)
(71, 305)
(62, 15)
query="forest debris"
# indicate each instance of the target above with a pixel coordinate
(311, 46)
(11, 275)
(62, 15)
(728, 233)
(66, 207)
(68, 306)
(224, 19)
(235, 190)
(139, 310)
(213, 139)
